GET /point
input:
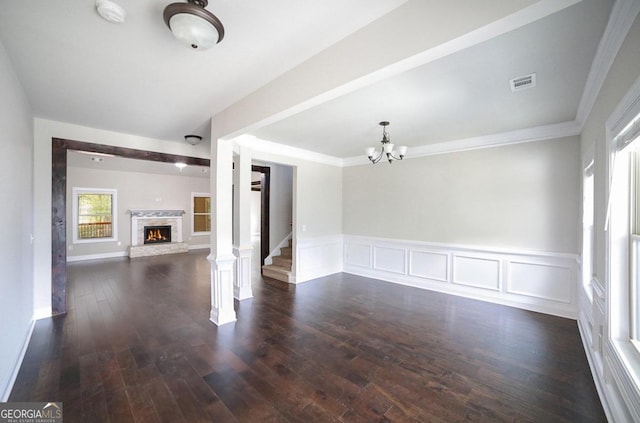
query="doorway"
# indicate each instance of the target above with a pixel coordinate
(265, 188)
(59, 149)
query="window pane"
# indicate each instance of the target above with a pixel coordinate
(93, 204)
(202, 223)
(95, 216)
(635, 291)
(201, 204)
(635, 245)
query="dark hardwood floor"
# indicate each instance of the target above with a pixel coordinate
(137, 345)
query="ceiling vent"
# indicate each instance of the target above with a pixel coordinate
(523, 82)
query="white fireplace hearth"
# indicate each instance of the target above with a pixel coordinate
(142, 218)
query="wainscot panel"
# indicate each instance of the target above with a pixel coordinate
(318, 257)
(481, 272)
(540, 281)
(358, 255)
(429, 265)
(389, 259)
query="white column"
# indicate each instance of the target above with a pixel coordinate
(242, 225)
(221, 257)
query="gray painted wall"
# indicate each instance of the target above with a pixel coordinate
(523, 196)
(135, 191)
(16, 214)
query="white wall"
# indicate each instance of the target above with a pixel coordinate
(612, 375)
(16, 215)
(523, 196)
(135, 191)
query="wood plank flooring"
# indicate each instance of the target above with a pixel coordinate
(136, 346)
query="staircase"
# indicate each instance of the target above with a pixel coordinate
(281, 267)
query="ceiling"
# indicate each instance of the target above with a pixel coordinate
(135, 78)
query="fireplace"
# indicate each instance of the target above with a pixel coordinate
(157, 234)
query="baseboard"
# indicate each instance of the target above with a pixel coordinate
(544, 282)
(71, 259)
(42, 313)
(16, 368)
(199, 247)
(597, 377)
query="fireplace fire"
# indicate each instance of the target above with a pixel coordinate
(157, 234)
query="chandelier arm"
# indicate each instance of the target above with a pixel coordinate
(377, 158)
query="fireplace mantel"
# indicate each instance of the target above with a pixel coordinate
(155, 213)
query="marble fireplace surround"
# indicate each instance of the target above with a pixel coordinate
(141, 218)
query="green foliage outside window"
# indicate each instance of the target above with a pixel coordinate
(95, 216)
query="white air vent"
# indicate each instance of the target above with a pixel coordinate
(523, 82)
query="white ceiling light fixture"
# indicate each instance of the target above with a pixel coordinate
(387, 150)
(193, 25)
(193, 139)
(110, 11)
(180, 165)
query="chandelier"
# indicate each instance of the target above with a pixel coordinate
(387, 150)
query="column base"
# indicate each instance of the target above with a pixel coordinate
(242, 289)
(222, 311)
(222, 317)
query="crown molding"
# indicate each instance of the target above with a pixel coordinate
(539, 133)
(623, 14)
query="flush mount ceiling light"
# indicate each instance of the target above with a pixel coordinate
(193, 25)
(387, 150)
(193, 139)
(180, 165)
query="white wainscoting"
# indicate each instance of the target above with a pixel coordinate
(538, 281)
(318, 257)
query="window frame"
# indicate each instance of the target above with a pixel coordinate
(77, 191)
(621, 350)
(588, 228)
(193, 213)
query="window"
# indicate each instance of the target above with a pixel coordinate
(634, 289)
(587, 228)
(623, 227)
(622, 349)
(94, 217)
(200, 213)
